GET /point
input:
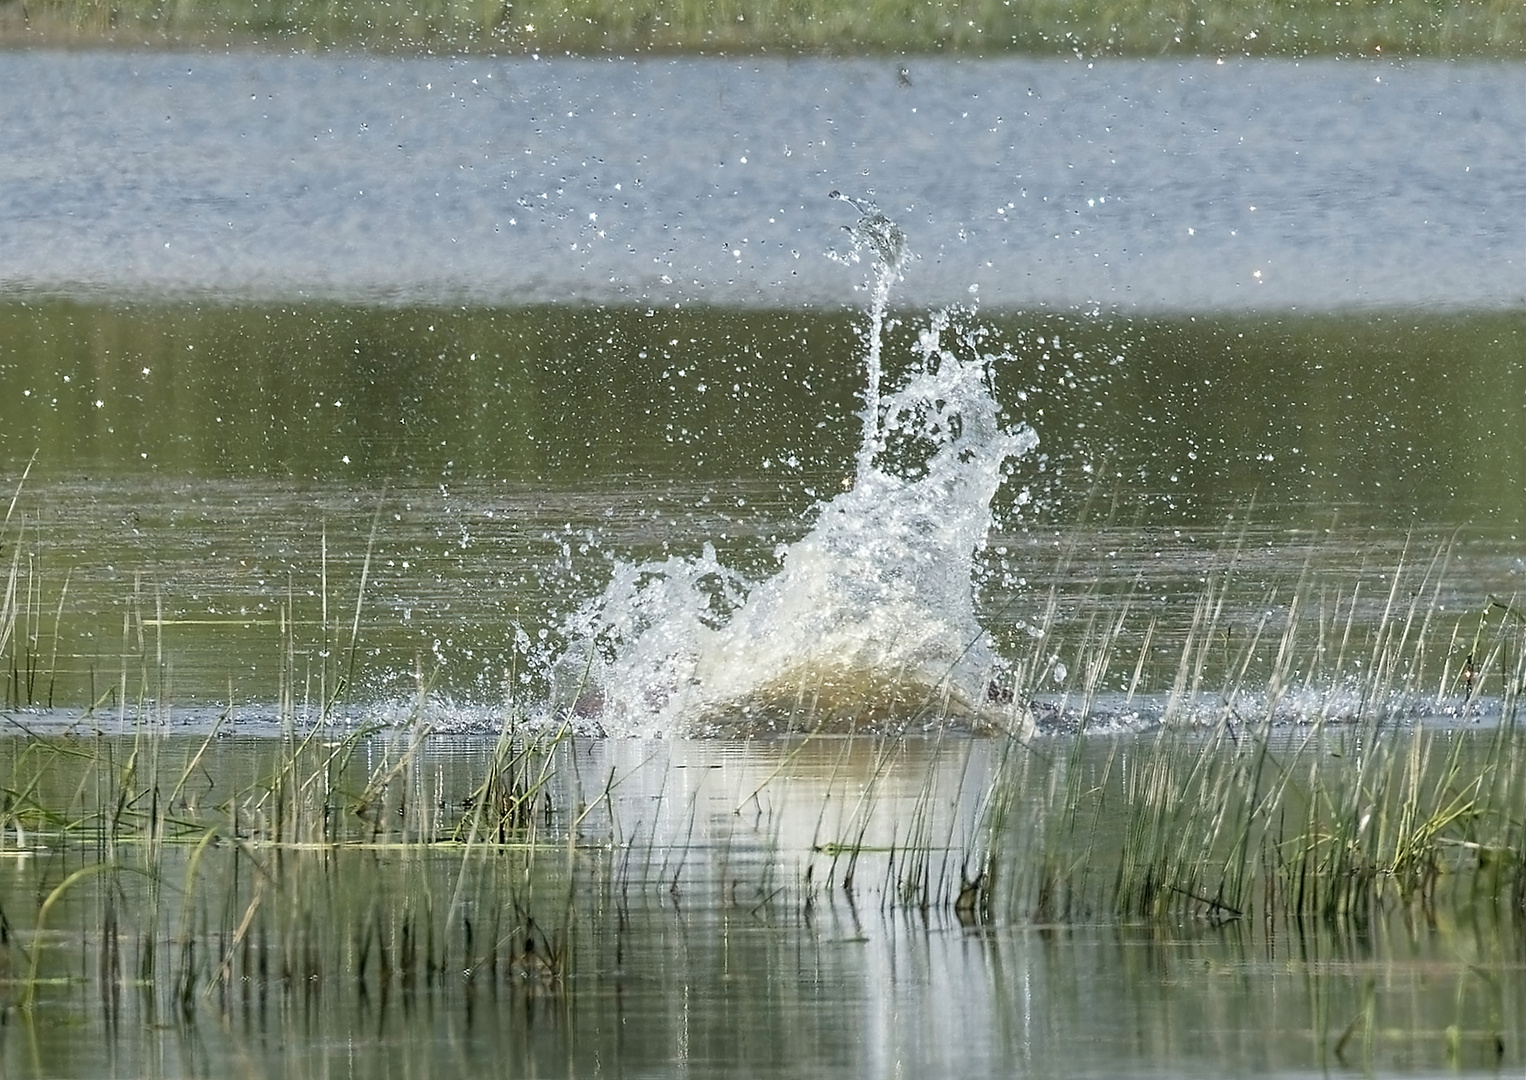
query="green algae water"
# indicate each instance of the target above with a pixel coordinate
(223, 497)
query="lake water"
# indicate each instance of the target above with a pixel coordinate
(1182, 185)
(213, 482)
(445, 394)
(280, 349)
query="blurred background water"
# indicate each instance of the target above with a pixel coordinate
(1198, 184)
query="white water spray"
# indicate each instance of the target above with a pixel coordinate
(876, 233)
(869, 624)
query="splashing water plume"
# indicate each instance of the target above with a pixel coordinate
(869, 624)
(876, 233)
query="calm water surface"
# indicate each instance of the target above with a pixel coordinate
(1184, 185)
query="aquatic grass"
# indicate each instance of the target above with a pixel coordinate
(959, 882)
(1495, 28)
(317, 790)
(217, 907)
(1249, 641)
(1226, 811)
(853, 829)
(1220, 827)
(347, 858)
(1265, 824)
(514, 786)
(9, 611)
(22, 611)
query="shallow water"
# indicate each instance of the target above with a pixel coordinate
(692, 939)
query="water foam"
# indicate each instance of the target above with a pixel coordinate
(869, 623)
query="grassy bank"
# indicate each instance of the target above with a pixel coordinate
(1462, 28)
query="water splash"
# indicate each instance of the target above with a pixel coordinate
(874, 232)
(869, 623)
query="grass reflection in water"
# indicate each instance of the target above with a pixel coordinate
(335, 878)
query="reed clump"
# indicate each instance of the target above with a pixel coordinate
(1232, 769)
(1331, 822)
(1245, 643)
(1342, 753)
(197, 873)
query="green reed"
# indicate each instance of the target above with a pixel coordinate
(979, 27)
(1289, 772)
(1228, 826)
(188, 881)
(1224, 813)
(1252, 643)
(22, 612)
(189, 872)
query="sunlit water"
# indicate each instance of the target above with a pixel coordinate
(1182, 184)
(276, 462)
